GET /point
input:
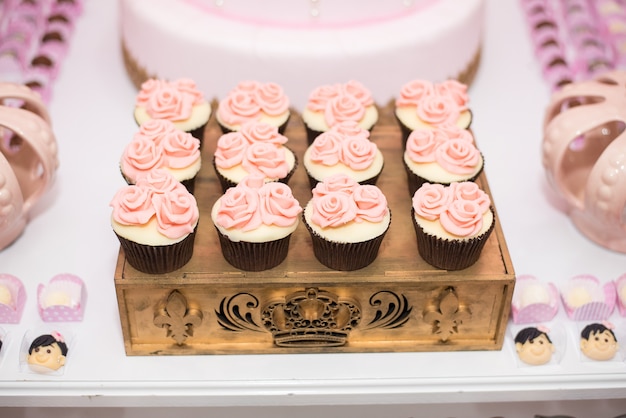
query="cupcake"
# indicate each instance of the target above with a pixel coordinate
(423, 104)
(452, 223)
(347, 222)
(177, 101)
(258, 149)
(155, 221)
(441, 155)
(252, 101)
(344, 149)
(159, 144)
(254, 222)
(331, 104)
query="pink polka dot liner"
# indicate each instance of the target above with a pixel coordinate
(586, 299)
(533, 301)
(12, 299)
(62, 299)
(620, 285)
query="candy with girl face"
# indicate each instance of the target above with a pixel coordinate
(598, 342)
(47, 352)
(533, 346)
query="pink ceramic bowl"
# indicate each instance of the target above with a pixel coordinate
(28, 157)
(584, 155)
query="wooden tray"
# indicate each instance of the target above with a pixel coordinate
(398, 303)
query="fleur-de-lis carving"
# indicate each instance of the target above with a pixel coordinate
(446, 317)
(177, 317)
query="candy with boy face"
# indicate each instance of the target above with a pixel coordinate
(600, 345)
(535, 351)
(47, 353)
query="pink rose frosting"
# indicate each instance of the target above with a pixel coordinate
(140, 156)
(321, 95)
(263, 132)
(160, 180)
(343, 108)
(272, 99)
(459, 207)
(335, 183)
(358, 152)
(468, 190)
(438, 110)
(462, 218)
(455, 90)
(371, 203)
(257, 147)
(422, 144)
(168, 100)
(180, 149)
(250, 99)
(176, 212)
(359, 91)
(277, 204)
(431, 200)
(326, 148)
(156, 195)
(253, 203)
(230, 150)
(239, 208)
(454, 132)
(132, 205)
(158, 144)
(334, 209)
(339, 200)
(238, 107)
(414, 91)
(457, 156)
(340, 102)
(350, 128)
(266, 159)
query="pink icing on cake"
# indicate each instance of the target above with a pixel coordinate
(249, 100)
(340, 102)
(173, 207)
(459, 208)
(253, 203)
(159, 144)
(345, 143)
(257, 148)
(339, 200)
(449, 146)
(169, 100)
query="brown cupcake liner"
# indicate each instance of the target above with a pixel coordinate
(254, 256)
(345, 256)
(449, 254)
(199, 133)
(415, 181)
(158, 259)
(281, 128)
(227, 183)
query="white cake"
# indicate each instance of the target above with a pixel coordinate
(302, 44)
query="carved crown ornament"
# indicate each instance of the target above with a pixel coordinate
(311, 318)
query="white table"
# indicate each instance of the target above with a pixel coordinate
(70, 232)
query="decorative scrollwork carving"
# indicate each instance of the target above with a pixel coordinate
(177, 317)
(311, 318)
(393, 310)
(237, 313)
(446, 314)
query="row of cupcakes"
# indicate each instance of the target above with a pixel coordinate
(325, 146)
